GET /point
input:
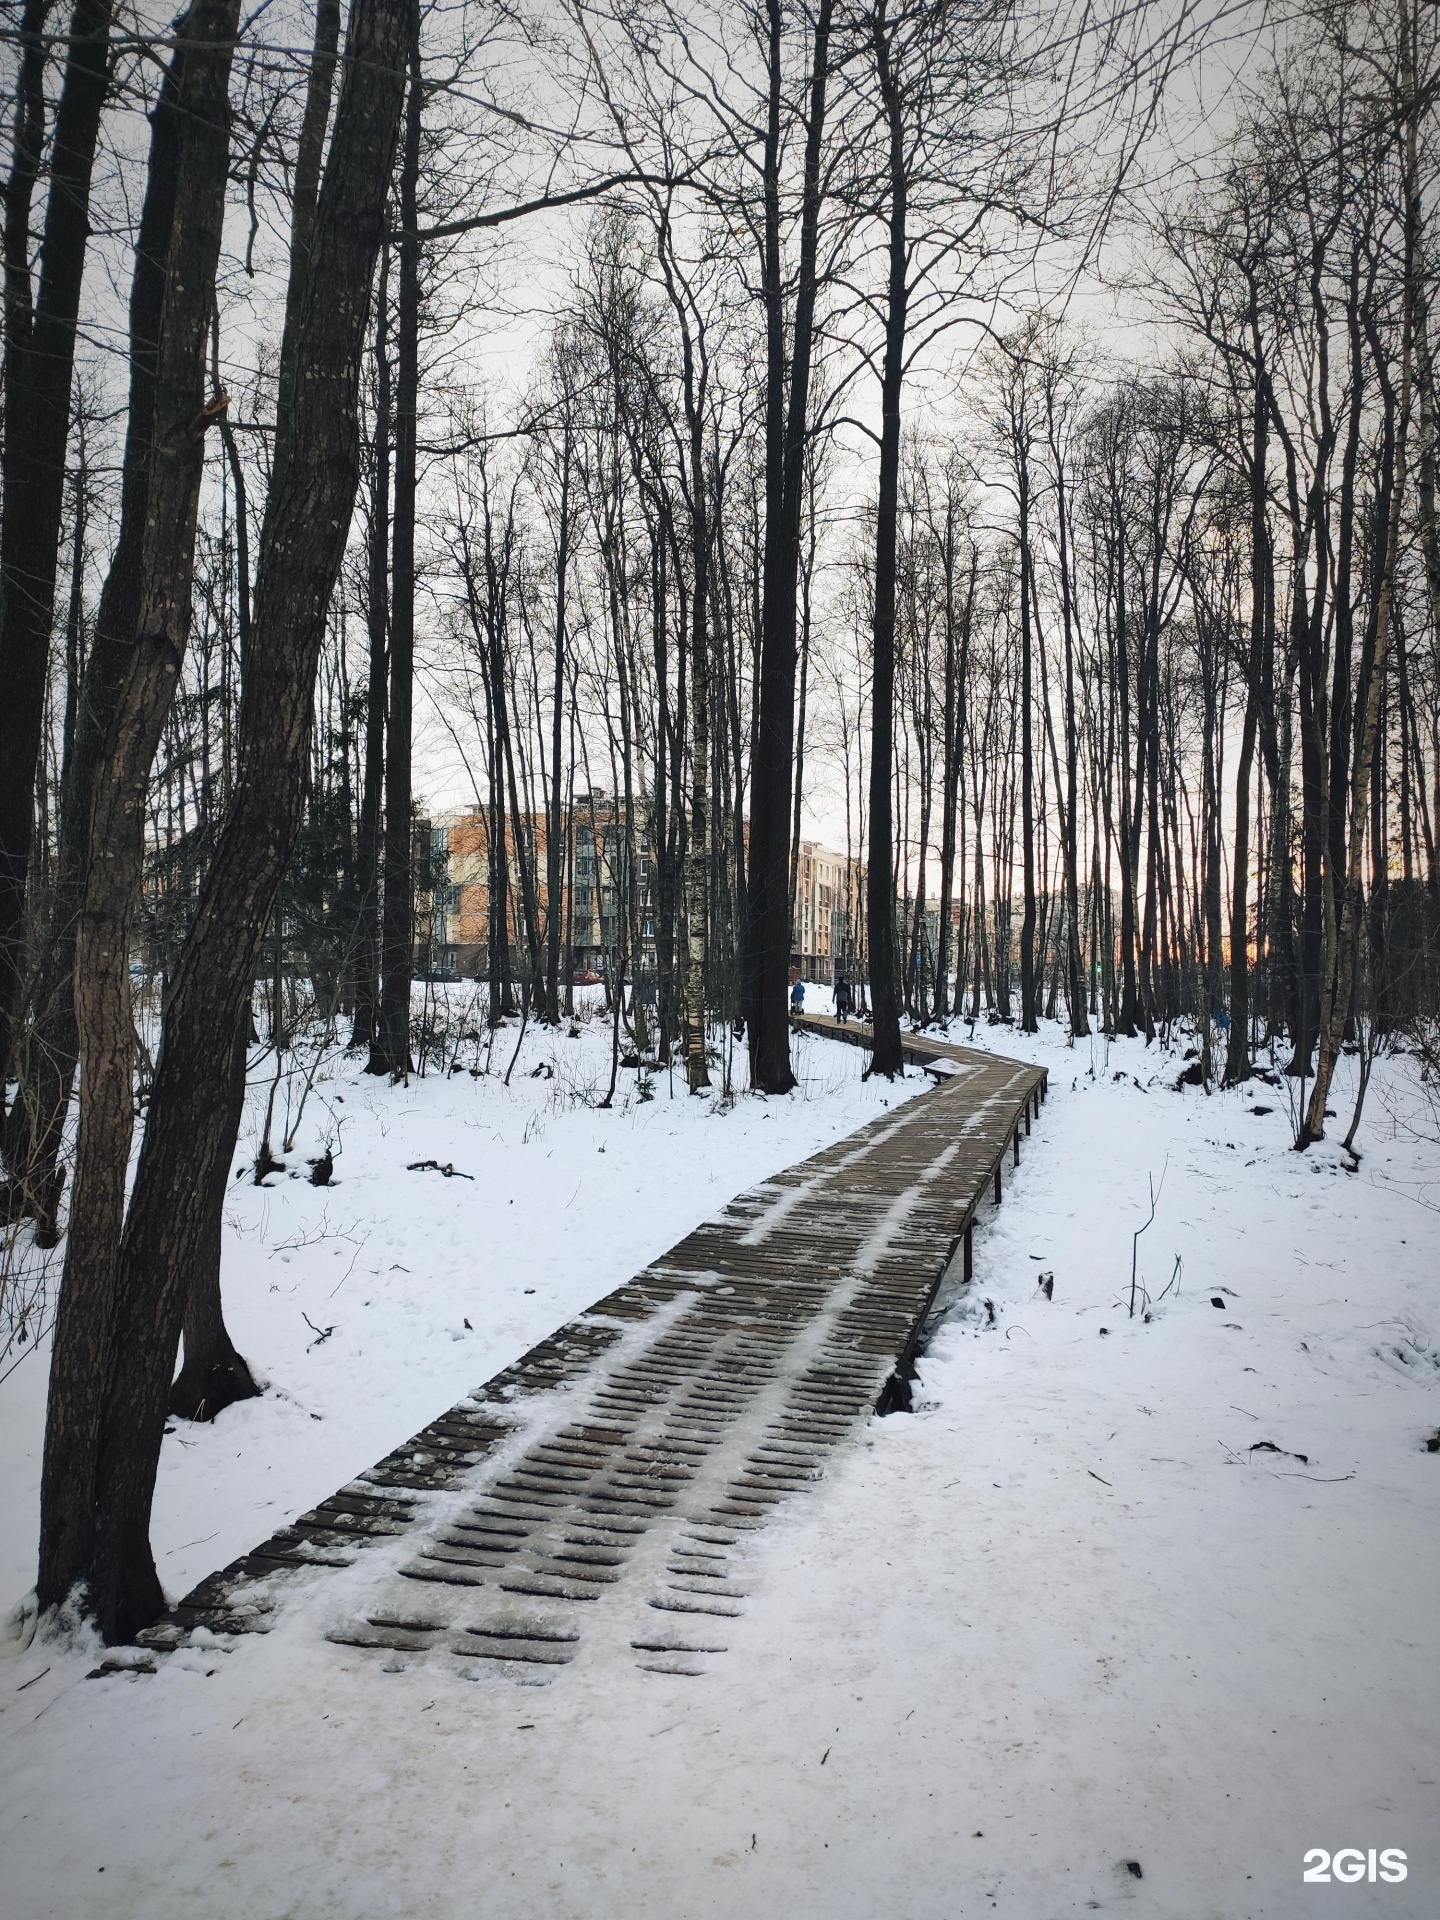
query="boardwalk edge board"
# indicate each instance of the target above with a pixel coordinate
(630, 1456)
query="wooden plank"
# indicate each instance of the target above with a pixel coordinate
(672, 1419)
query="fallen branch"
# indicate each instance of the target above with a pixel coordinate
(322, 1333)
(1135, 1241)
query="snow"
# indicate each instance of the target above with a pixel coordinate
(1066, 1615)
(351, 1300)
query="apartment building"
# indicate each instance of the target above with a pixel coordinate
(595, 875)
(829, 924)
(829, 893)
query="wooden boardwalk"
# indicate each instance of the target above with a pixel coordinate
(615, 1473)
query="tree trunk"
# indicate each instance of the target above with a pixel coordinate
(194, 1115)
(1237, 1049)
(697, 862)
(35, 1125)
(391, 1052)
(140, 642)
(39, 360)
(887, 1057)
(555, 827)
(1339, 977)
(1074, 958)
(377, 619)
(1028, 1021)
(213, 1374)
(951, 767)
(768, 916)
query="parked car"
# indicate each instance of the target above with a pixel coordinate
(584, 978)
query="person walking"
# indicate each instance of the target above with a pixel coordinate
(843, 1000)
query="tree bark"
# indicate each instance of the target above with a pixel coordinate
(1028, 1021)
(39, 361)
(140, 642)
(887, 1057)
(767, 929)
(391, 1052)
(213, 1374)
(377, 618)
(194, 1114)
(23, 641)
(555, 825)
(697, 860)
(1237, 1050)
(1339, 975)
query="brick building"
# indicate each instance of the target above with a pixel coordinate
(829, 893)
(594, 863)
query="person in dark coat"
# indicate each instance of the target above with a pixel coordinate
(844, 1002)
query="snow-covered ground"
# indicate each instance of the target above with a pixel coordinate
(1118, 1590)
(351, 1301)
